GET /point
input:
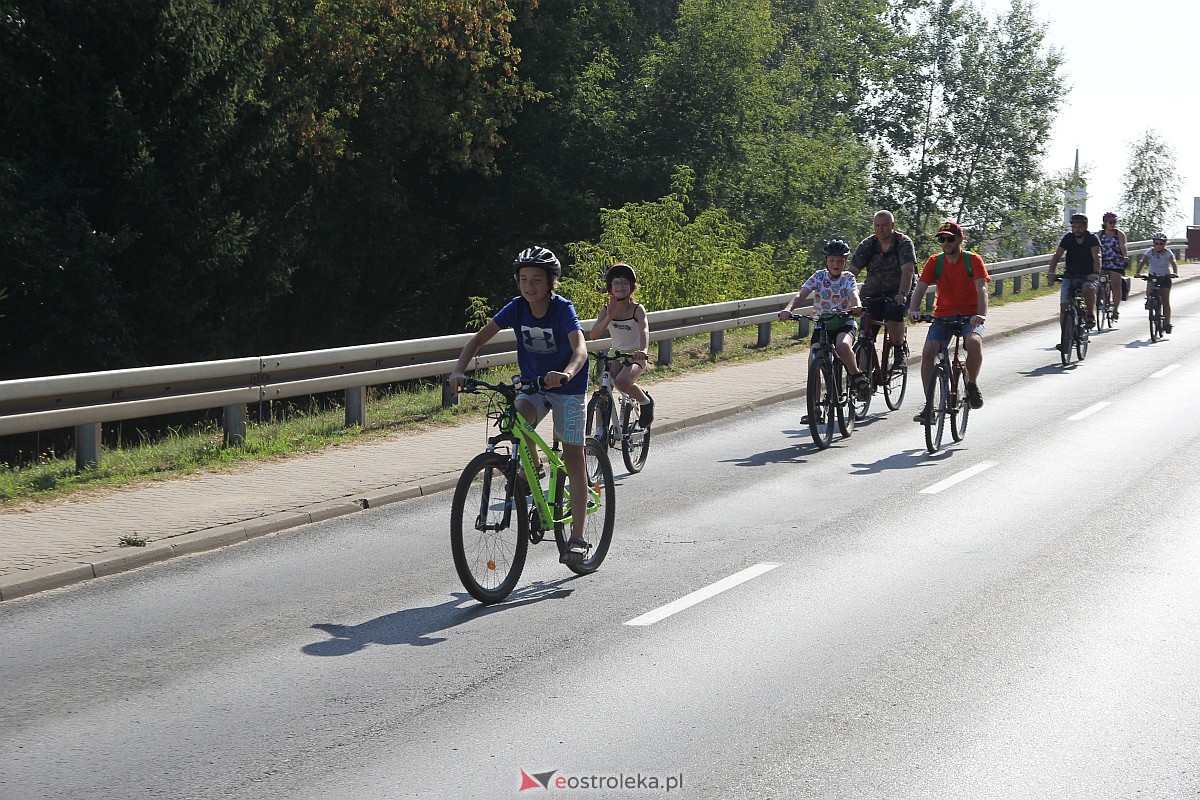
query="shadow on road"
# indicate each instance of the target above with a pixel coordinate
(909, 459)
(413, 626)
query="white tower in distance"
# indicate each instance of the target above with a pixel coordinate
(1075, 196)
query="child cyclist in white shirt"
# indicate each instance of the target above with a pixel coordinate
(625, 321)
(1162, 268)
(834, 291)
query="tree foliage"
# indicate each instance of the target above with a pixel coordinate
(195, 179)
(1149, 200)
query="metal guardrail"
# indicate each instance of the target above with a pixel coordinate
(85, 401)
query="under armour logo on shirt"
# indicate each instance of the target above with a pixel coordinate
(539, 340)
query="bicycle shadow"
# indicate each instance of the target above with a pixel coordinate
(908, 459)
(414, 626)
(792, 454)
(1050, 369)
(1139, 343)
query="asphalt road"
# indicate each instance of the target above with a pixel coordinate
(1027, 631)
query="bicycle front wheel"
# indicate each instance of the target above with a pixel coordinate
(937, 399)
(599, 417)
(821, 394)
(601, 509)
(635, 440)
(959, 408)
(860, 402)
(1155, 319)
(896, 379)
(1082, 337)
(488, 536)
(845, 399)
(1068, 328)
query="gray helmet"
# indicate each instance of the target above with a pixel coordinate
(1079, 218)
(538, 257)
(1159, 237)
(836, 247)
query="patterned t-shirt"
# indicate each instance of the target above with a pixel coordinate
(831, 296)
(542, 342)
(883, 269)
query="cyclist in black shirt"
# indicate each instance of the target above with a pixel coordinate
(1082, 251)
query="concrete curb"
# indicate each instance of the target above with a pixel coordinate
(57, 576)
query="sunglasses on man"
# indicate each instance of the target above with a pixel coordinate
(943, 238)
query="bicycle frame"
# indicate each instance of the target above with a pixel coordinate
(516, 429)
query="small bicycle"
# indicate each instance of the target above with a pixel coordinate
(829, 394)
(616, 424)
(946, 394)
(1154, 306)
(492, 524)
(1073, 334)
(1104, 318)
(891, 377)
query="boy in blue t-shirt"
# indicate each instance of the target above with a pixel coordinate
(550, 346)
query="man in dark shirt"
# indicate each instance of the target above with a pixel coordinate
(1082, 251)
(890, 261)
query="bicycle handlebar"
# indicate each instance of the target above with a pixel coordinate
(508, 390)
(1148, 276)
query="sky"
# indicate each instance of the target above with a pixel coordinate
(1130, 67)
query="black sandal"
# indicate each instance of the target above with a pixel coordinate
(575, 551)
(860, 382)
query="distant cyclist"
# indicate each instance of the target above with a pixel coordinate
(1114, 256)
(1162, 269)
(625, 321)
(890, 261)
(1082, 251)
(834, 291)
(962, 279)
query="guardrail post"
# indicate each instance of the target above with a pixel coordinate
(235, 424)
(449, 398)
(764, 334)
(1035, 280)
(1016, 284)
(665, 348)
(716, 343)
(803, 328)
(999, 287)
(356, 406)
(87, 446)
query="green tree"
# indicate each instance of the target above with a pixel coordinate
(681, 260)
(1149, 200)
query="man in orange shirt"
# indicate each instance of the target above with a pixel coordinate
(962, 291)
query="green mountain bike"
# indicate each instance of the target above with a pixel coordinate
(500, 504)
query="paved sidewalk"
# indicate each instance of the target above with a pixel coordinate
(67, 542)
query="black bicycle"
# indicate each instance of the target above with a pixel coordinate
(829, 393)
(890, 374)
(617, 424)
(1073, 331)
(1104, 303)
(946, 394)
(1154, 305)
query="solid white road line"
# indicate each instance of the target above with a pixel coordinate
(1087, 412)
(959, 478)
(700, 595)
(1165, 371)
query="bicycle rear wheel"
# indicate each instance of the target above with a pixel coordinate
(820, 402)
(845, 399)
(895, 378)
(937, 399)
(1068, 328)
(959, 408)
(635, 441)
(864, 357)
(600, 515)
(488, 537)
